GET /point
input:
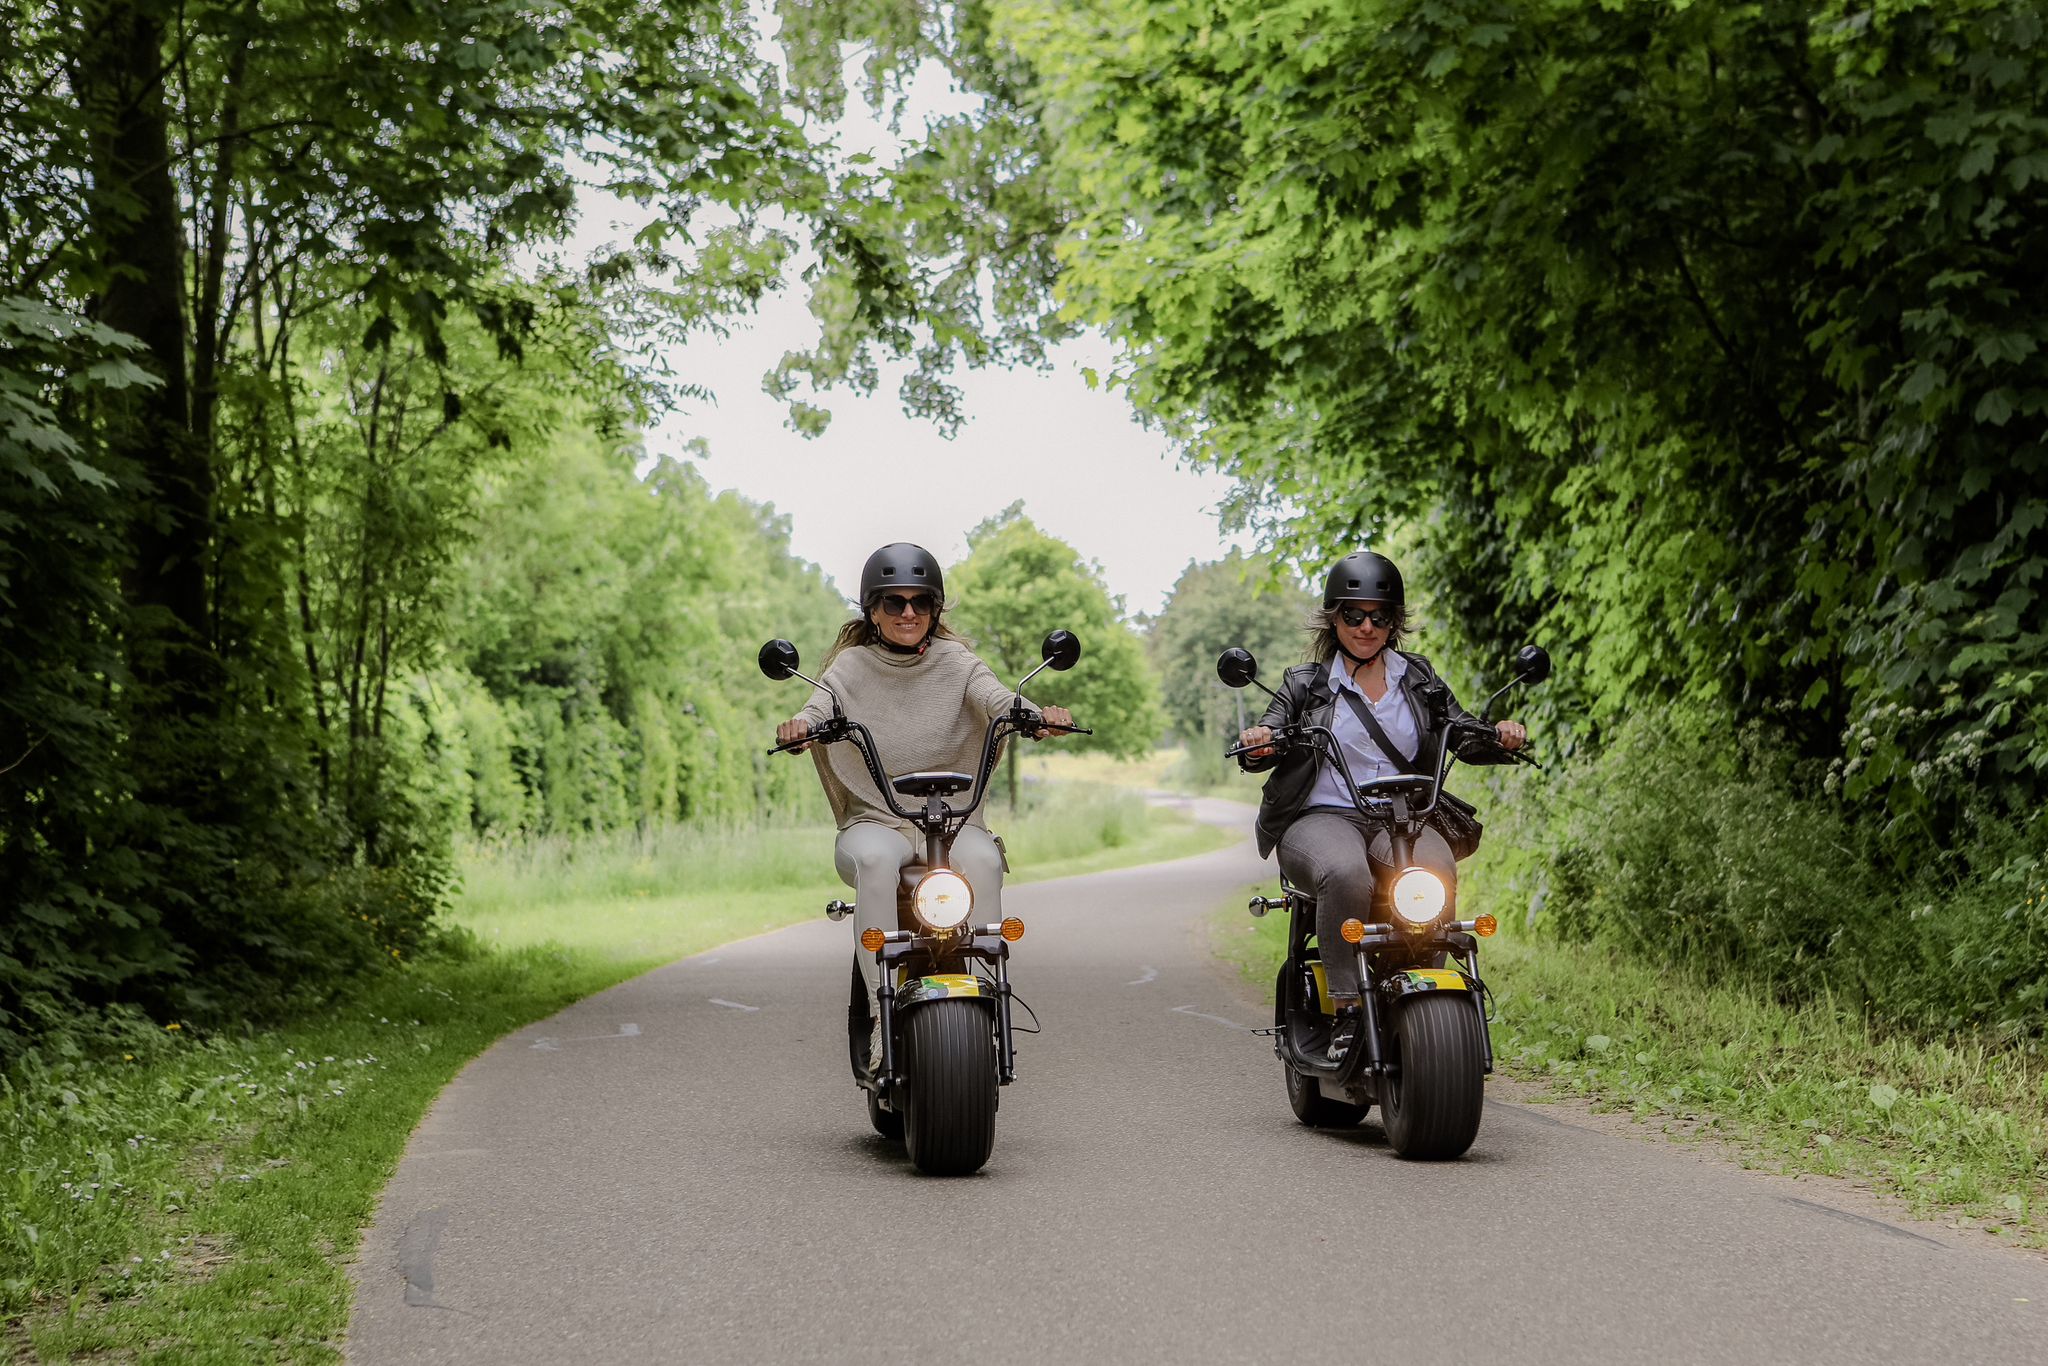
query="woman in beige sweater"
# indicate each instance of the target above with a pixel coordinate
(927, 699)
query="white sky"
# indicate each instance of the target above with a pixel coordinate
(1086, 471)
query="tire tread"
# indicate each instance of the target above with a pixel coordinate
(949, 1096)
(1436, 1115)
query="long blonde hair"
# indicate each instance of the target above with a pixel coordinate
(862, 631)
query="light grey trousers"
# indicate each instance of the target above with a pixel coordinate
(871, 857)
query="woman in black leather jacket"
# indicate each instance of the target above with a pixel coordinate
(1380, 704)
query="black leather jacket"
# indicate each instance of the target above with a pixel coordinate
(1306, 698)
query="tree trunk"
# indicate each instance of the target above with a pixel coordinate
(135, 242)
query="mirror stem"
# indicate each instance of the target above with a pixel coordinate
(798, 673)
(1019, 689)
(1486, 712)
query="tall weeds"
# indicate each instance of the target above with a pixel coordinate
(1686, 848)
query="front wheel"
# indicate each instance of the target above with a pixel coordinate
(1431, 1108)
(948, 1101)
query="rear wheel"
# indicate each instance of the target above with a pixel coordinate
(1431, 1108)
(1317, 1110)
(948, 1101)
(1307, 1100)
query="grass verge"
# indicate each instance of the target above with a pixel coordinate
(1955, 1127)
(168, 1198)
(1171, 769)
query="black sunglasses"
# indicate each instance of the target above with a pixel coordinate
(1355, 617)
(894, 603)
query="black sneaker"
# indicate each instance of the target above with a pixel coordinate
(1342, 1036)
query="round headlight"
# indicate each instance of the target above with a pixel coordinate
(1418, 896)
(943, 899)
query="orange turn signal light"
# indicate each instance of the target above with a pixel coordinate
(1353, 930)
(1013, 928)
(1485, 926)
(872, 940)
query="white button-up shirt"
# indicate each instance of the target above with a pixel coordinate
(1365, 757)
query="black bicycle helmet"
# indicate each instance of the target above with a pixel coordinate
(1363, 576)
(901, 565)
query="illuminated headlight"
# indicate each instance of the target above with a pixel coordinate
(943, 899)
(1418, 896)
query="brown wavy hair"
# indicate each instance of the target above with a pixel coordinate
(1322, 632)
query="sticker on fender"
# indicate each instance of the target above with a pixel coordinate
(953, 984)
(1434, 979)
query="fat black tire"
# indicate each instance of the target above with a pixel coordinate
(1431, 1110)
(948, 1101)
(888, 1123)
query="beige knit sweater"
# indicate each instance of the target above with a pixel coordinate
(926, 712)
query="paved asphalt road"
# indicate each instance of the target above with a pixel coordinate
(680, 1170)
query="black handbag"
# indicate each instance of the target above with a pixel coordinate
(1458, 822)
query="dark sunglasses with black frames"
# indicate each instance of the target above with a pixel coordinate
(893, 604)
(1355, 617)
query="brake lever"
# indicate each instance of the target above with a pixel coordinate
(1029, 723)
(831, 731)
(1281, 739)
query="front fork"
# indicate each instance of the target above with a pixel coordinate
(1367, 1001)
(904, 943)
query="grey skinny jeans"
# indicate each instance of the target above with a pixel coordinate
(871, 857)
(1330, 853)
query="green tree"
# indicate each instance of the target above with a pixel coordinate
(329, 237)
(1017, 584)
(1689, 337)
(613, 618)
(1245, 600)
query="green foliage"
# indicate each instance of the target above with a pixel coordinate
(603, 638)
(1016, 585)
(945, 257)
(1681, 849)
(1238, 600)
(1695, 340)
(1690, 337)
(280, 306)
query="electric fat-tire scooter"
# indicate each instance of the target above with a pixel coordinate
(1422, 1050)
(944, 1002)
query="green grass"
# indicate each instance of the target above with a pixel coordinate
(1956, 1127)
(167, 1198)
(1170, 769)
(653, 897)
(193, 1200)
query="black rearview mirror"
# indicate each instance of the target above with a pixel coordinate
(1237, 668)
(1061, 651)
(1532, 664)
(778, 659)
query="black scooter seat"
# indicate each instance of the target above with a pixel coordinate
(933, 784)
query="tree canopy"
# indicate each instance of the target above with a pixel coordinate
(1016, 584)
(1693, 338)
(282, 290)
